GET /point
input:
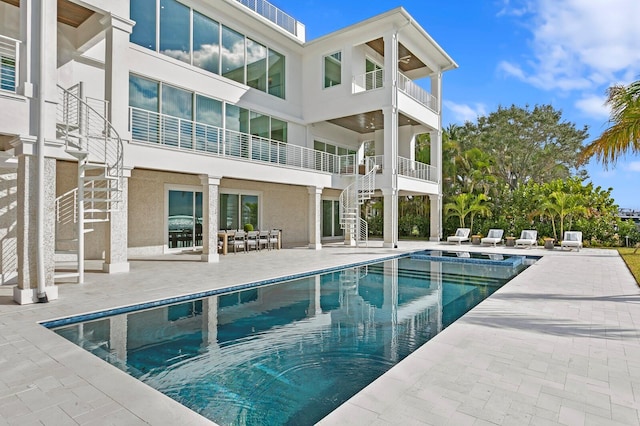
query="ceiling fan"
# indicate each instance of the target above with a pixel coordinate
(405, 59)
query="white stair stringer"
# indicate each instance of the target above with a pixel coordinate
(91, 139)
(351, 198)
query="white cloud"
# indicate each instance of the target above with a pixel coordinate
(633, 166)
(465, 112)
(593, 106)
(577, 44)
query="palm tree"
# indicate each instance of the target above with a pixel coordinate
(563, 206)
(624, 134)
(467, 204)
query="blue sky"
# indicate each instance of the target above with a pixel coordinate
(523, 52)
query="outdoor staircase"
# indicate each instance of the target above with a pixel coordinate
(97, 147)
(351, 199)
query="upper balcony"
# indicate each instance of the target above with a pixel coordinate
(277, 16)
(373, 80)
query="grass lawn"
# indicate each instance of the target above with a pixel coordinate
(632, 261)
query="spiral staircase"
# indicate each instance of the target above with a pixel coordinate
(351, 198)
(91, 139)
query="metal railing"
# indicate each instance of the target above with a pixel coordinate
(187, 135)
(273, 14)
(411, 89)
(9, 62)
(415, 169)
(368, 81)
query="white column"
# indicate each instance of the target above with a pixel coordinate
(315, 211)
(116, 238)
(27, 242)
(116, 67)
(210, 186)
(390, 201)
(390, 177)
(435, 214)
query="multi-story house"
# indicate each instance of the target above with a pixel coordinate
(142, 127)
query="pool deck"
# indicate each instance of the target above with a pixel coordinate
(559, 344)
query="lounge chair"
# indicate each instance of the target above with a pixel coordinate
(239, 241)
(572, 239)
(494, 237)
(462, 234)
(528, 238)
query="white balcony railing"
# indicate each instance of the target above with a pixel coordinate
(368, 81)
(9, 50)
(272, 13)
(418, 93)
(415, 169)
(177, 133)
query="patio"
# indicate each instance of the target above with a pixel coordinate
(557, 345)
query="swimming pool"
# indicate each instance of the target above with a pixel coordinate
(289, 352)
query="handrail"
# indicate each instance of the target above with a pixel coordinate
(368, 81)
(187, 135)
(9, 63)
(273, 14)
(418, 170)
(406, 85)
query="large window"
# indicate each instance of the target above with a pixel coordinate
(175, 30)
(206, 43)
(184, 221)
(177, 104)
(144, 96)
(143, 12)
(331, 219)
(191, 37)
(237, 210)
(332, 69)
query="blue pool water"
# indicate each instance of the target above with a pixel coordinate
(290, 353)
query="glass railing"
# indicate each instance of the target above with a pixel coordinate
(418, 93)
(273, 14)
(178, 133)
(8, 63)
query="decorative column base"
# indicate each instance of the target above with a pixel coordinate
(210, 258)
(315, 246)
(389, 245)
(115, 268)
(28, 296)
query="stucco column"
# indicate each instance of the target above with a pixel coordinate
(390, 197)
(116, 245)
(315, 212)
(435, 215)
(390, 177)
(116, 67)
(210, 191)
(436, 199)
(27, 242)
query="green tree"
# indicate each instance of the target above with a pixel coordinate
(623, 134)
(467, 204)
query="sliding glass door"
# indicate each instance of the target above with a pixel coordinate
(184, 219)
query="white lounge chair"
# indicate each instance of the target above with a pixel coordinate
(528, 238)
(493, 237)
(462, 234)
(572, 239)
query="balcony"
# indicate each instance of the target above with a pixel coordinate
(275, 15)
(416, 92)
(368, 81)
(409, 168)
(185, 135)
(8, 63)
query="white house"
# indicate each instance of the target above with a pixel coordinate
(178, 119)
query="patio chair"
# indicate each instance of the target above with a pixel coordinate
(493, 237)
(252, 240)
(274, 238)
(528, 238)
(263, 239)
(462, 234)
(572, 239)
(239, 241)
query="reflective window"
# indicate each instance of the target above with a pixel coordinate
(143, 93)
(143, 12)
(237, 125)
(237, 210)
(206, 43)
(175, 30)
(276, 74)
(209, 124)
(185, 219)
(278, 130)
(177, 103)
(259, 125)
(333, 69)
(256, 65)
(232, 55)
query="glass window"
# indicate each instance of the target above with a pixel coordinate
(143, 96)
(237, 122)
(143, 12)
(278, 130)
(374, 75)
(206, 43)
(232, 55)
(250, 210)
(175, 30)
(331, 219)
(256, 65)
(276, 74)
(185, 219)
(237, 210)
(209, 124)
(333, 69)
(176, 104)
(259, 125)
(228, 211)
